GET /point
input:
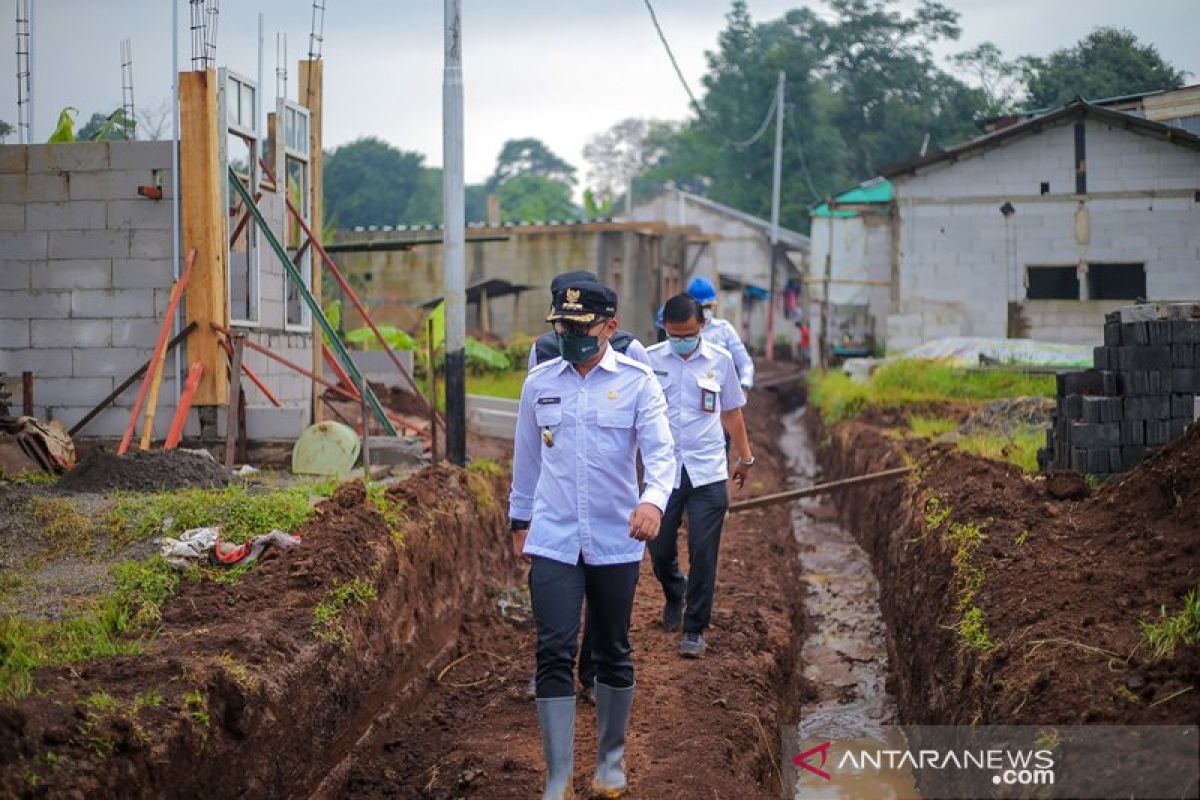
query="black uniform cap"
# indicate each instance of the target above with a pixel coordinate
(583, 301)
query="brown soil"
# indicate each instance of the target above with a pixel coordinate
(1066, 584)
(700, 729)
(253, 702)
(143, 471)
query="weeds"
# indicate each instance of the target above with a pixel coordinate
(237, 670)
(1171, 631)
(1022, 537)
(1020, 448)
(486, 466)
(937, 511)
(195, 705)
(931, 427)
(102, 628)
(66, 530)
(391, 510)
(327, 615)
(31, 478)
(968, 580)
(240, 513)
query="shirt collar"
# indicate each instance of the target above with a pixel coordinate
(702, 351)
(608, 361)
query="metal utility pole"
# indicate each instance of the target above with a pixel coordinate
(777, 173)
(454, 242)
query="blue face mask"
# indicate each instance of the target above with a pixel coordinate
(684, 345)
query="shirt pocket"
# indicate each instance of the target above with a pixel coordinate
(549, 419)
(614, 430)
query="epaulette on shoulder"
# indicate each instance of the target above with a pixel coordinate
(539, 367)
(629, 362)
(657, 346)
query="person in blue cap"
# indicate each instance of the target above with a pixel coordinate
(721, 332)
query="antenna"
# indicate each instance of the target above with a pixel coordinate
(24, 74)
(281, 72)
(127, 88)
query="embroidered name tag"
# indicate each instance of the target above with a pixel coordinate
(661, 372)
(549, 401)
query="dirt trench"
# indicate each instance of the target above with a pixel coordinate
(707, 728)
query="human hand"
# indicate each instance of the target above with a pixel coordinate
(644, 522)
(519, 544)
(740, 470)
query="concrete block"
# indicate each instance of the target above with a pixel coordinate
(142, 273)
(1196, 408)
(1131, 456)
(69, 216)
(71, 391)
(14, 274)
(1160, 331)
(1185, 381)
(1100, 357)
(1133, 431)
(68, 156)
(1114, 460)
(43, 363)
(150, 244)
(140, 155)
(275, 424)
(1079, 382)
(1185, 331)
(1145, 312)
(1102, 409)
(12, 217)
(71, 273)
(1133, 333)
(112, 303)
(1110, 382)
(13, 159)
(1079, 460)
(118, 184)
(1180, 312)
(23, 244)
(1090, 435)
(35, 305)
(14, 333)
(1183, 355)
(1177, 428)
(1112, 334)
(141, 333)
(107, 362)
(89, 244)
(25, 188)
(1182, 405)
(1158, 432)
(140, 214)
(72, 333)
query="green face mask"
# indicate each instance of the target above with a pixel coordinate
(578, 347)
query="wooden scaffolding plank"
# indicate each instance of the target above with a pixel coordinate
(204, 226)
(311, 84)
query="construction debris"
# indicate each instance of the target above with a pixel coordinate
(144, 471)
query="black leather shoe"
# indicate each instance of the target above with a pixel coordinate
(672, 617)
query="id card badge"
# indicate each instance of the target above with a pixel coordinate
(708, 395)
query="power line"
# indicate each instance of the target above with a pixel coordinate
(762, 128)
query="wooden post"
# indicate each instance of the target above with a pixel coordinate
(235, 387)
(27, 393)
(432, 393)
(310, 97)
(205, 227)
(485, 312)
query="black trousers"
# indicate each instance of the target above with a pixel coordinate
(705, 507)
(558, 591)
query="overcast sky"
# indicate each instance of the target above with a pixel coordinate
(560, 70)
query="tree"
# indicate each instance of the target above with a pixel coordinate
(626, 149)
(1108, 62)
(370, 182)
(999, 80)
(529, 157)
(5, 130)
(154, 122)
(530, 197)
(111, 128)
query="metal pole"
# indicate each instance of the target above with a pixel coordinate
(776, 177)
(259, 117)
(454, 247)
(32, 74)
(175, 243)
(824, 344)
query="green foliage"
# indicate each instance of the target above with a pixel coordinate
(531, 198)
(908, 381)
(1020, 448)
(328, 624)
(391, 510)
(64, 131)
(239, 512)
(968, 579)
(529, 157)
(482, 357)
(370, 182)
(65, 529)
(104, 627)
(195, 705)
(931, 427)
(115, 127)
(596, 209)
(1171, 631)
(5, 130)
(498, 384)
(937, 511)
(31, 478)
(396, 338)
(1108, 62)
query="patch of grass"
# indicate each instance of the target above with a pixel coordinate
(195, 705)
(908, 381)
(240, 513)
(101, 706)
(240, 673)
(1171, 631)
(328, 624)
(931, 427)
(968, 579)
(937, 511)
(1020, 449)
(66, 530)
(1022, 537)
(498, 384)
(233, 574)
(486, 466)
(391, 510)
(31, 478)
(104, 627)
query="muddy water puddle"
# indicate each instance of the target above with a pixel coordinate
(845, 655)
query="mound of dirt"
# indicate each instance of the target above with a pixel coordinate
(1009, 415)
(1165, 485)
(144, 471)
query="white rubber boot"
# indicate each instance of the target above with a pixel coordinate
(612, 718)
(556, 718)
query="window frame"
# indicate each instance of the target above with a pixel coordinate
(1029, 269)
(250, 133)
(286, 112)
(1121, 264)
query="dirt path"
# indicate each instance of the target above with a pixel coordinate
(699, 729)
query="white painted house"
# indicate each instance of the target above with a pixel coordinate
(1037, 229)
(733, 250)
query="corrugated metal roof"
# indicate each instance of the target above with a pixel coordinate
(875, 191)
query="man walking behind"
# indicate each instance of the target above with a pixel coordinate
(577, 516)
(703, 399)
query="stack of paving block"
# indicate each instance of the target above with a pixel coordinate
(1142, 392)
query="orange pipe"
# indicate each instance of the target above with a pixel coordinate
(337, 370)
(290, 364)
(160, 349)
(185, 405)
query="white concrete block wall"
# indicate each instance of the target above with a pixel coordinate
(85, 275)
(956, 246)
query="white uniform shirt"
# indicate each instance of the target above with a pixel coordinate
(636, 351)
(698, 434)
(721, 332)
(574, 472)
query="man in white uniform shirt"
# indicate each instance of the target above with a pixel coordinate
(720, 331)
(577, 516)
(704, 399)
